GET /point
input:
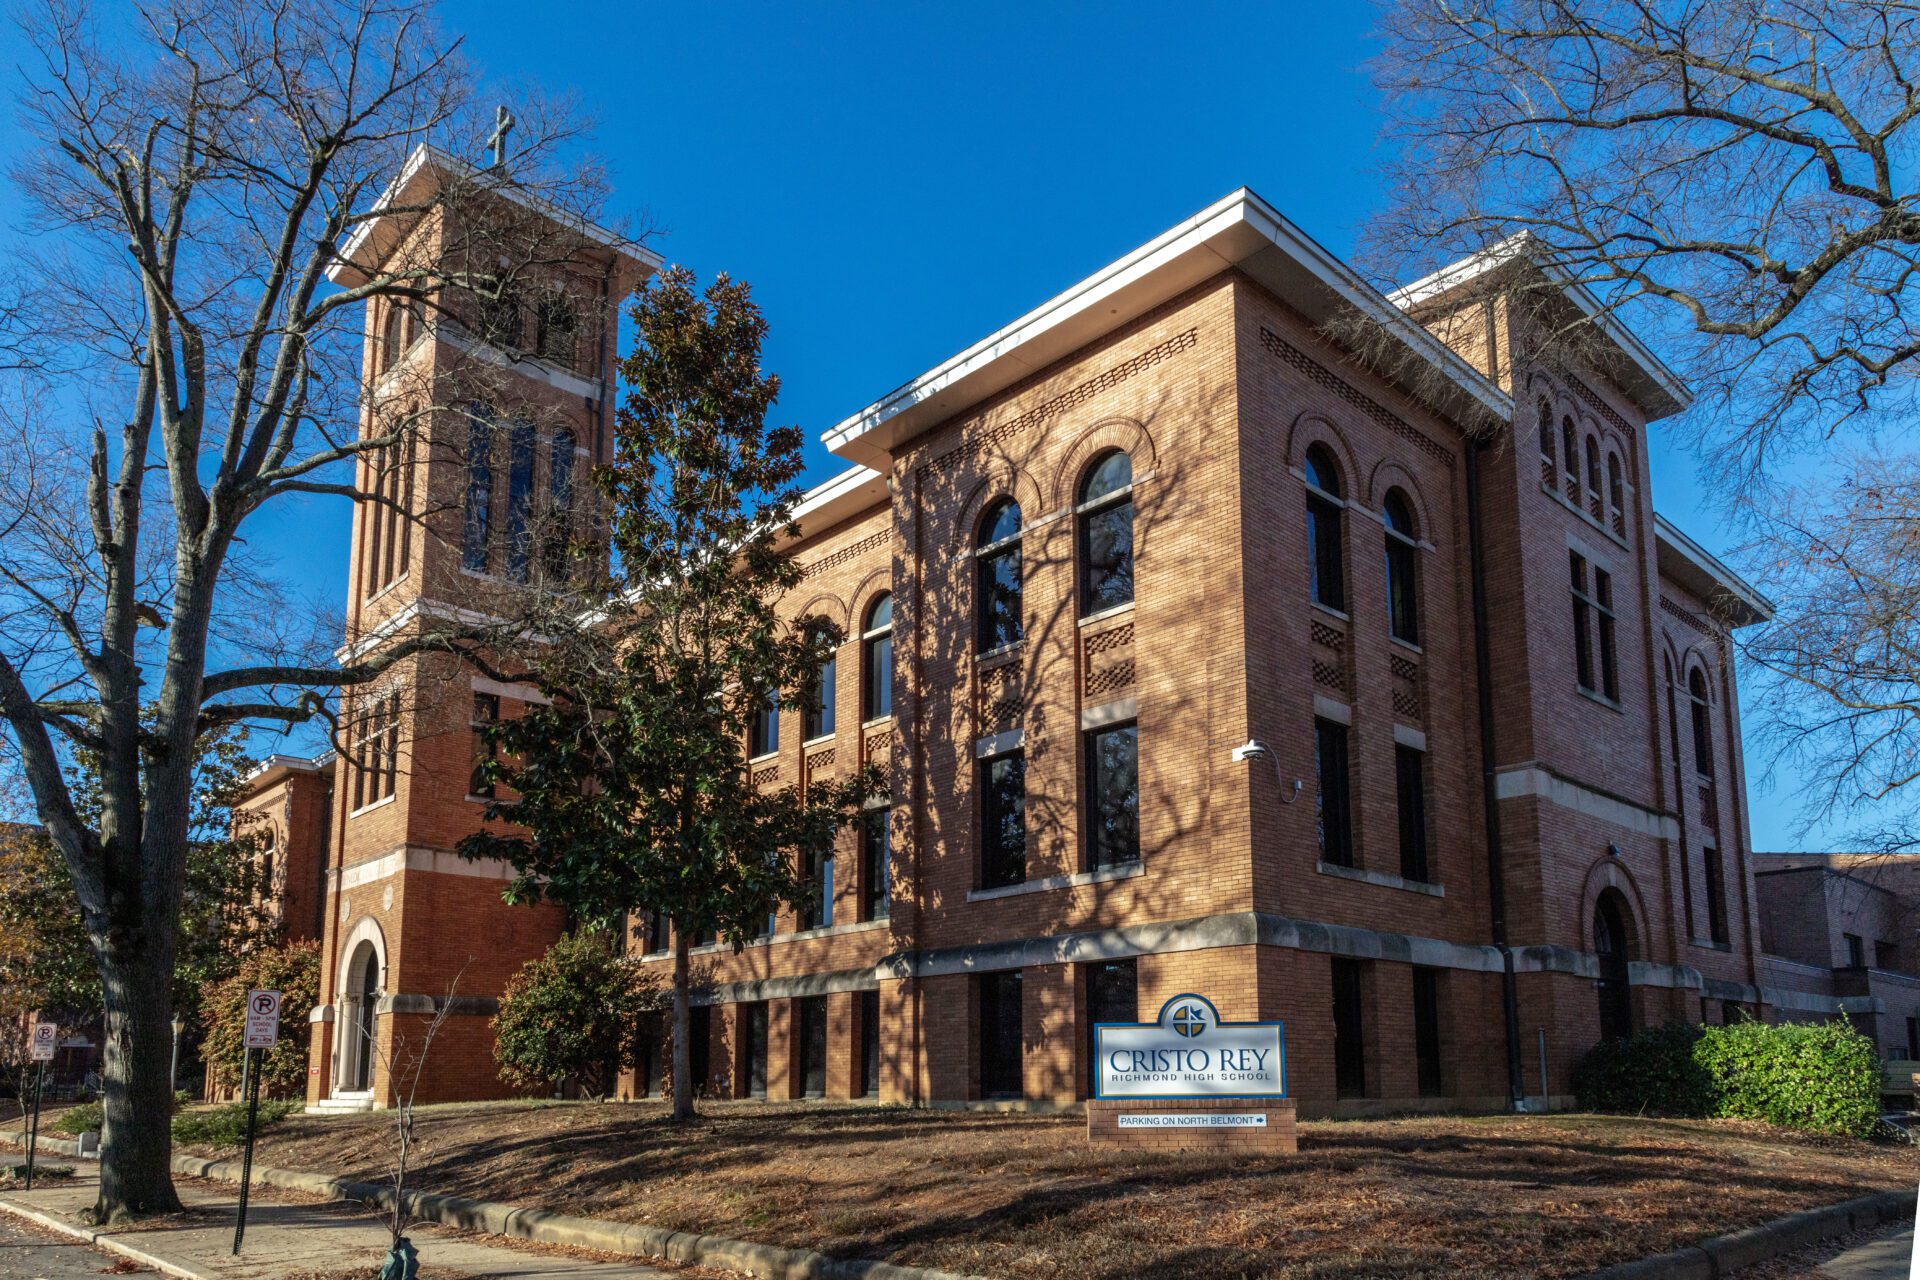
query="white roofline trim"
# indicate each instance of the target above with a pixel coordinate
(1205, 233)
(1711, 565)
(1455, 274)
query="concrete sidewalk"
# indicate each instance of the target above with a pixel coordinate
(286, 1238)
(1888, 1258)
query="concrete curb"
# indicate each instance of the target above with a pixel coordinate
(88, 1236)
(767, 1261)
(1723, 1255)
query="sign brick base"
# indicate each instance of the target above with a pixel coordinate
(1254, 1126)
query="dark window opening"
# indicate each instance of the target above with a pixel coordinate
(1106, 534)
(1349, 1040)
(1610, 947)
(763, 738)
(819, 713)
(1325, 559)
(1411, 786)
(876, 859)
(813, 1046)
(820, 877)
(869, 1013)
(1603, 611)
(997, 604)
(1716, 896)
(1334, 796)
(1002, 1035)
(1403, 554)
(876, 647)
(755, 1037)
(1702, 726)
(1003, 820)
(1856, 951)
(1426, 1030)
(1582, 620)
(1113, 797)
(1113, 989)
(700, 1048)
(486, 712)
(479, 523)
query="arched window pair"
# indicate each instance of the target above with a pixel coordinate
(1104, 519)
(1326, 566)
(402, 327)
(876, 660)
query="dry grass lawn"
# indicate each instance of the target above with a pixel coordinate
(1025, 1196)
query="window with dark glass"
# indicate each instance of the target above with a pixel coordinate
(1716, 895)
(820, 702)
(1886, 955)
(1002, 1035)
(1003, 819)
(1570, 460)
(1106, 534)
(764, 736)
(813, 1045)
(656, 932)
(1582, 619)
(394, 337)
(876, 650)
(1325, 559)
(820, 877)
(486, 712)
(1426, 1030)
(499, 313)
(997, 565)
(560, 501)
(520, 441)
(1334, 803)
(1603, 614)
(756, 1050)
(1113, 797)
(1549, 464)
(1403, 554)
(1410, 777)
(1616, 495)
(1349, 1036)
(1702, 726)
(876, 859)
(554, 324)
(1856, 950)
(479, 523)
(868, 1009)
(375, 749)
(700, 1048)
(1113, 988)
(1594, 492)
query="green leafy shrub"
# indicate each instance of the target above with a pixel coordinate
(227, 1126)
(574, 1013)
(82, 1117)
(1823, 1077)
(293, 971)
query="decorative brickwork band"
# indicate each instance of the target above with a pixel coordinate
(1601, 407)
(1294, 356)
(851, 551)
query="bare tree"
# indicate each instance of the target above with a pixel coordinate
(183, 349)
(1739, 171)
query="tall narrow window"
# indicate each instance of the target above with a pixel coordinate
(1403, 554)
(375, 749)
(486, 713)
(1003, 820)
(756, 1049)
(1549, 464)
(656, 926)
(1426, 1030)
(1616, 495)
(1113, 797)
(1113, 988)
(1106, 534)
(997, 596)
(1410, 776)
(479, 525)
(560, 502)
(820, 877)
(820, 702)
(763, 738)
(1002, 1059)
(1349, 1035)
(869, 1010)
(1702, 726)
(876, 864)
(1716, 895)
(393, 335)
(1595, 495)
(1325, 560)
(519, 499)
(1570, 460)
(1335, 795)
(813, 1045)
(500, 313)
(876, 650)
(554, 322)
(1582, 619)
(1603, 612)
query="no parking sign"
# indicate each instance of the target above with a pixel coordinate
(46, 1037)
(263, 1019)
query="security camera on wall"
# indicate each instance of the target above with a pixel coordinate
(1254, 749)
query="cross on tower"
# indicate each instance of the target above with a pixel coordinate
(497, 140)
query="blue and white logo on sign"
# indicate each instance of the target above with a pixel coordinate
(1190, 1052)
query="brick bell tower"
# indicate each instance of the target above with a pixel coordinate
(496, 384)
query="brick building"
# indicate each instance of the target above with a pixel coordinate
(289, 803)
(1372, 696)
(1839, 930)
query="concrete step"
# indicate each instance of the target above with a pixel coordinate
(340, 1106)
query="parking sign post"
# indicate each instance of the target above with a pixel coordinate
(40, 1049)
(263, 1028)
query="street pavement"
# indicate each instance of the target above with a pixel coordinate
(283, 1239)
(34, 1253)
(1888, 1258)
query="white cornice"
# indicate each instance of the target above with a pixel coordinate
(1701, 572)
(1239, 231)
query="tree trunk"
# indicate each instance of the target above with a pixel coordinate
(136, 1140)
(682, 1024)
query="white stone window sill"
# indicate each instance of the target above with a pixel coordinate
(1408, 645)
(1383, 879)
(878, 722)
(1104, 614)
(825, 739)
(1601, 698)
(1057, 882)
(1561, 499)
(1331, 612)
(770, 757)
(369, 808)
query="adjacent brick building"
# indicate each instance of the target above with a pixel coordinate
(1369, 695)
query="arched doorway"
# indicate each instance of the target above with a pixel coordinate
(355, 1025)
(1611, 943)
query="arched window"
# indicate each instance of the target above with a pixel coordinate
(1106, 533)
(1549, 464)
(876, 660)
(1570, 460)
(520, 442)
(554, 324)
(479, 525)
(1702, 727)
(1594, 492)
(1403, 551)
(1616, 494)
(1327, 580)
(559, 501)
(1611, 946)
(394, 337)
(997, 599)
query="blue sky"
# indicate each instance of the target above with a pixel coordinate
(898, 180)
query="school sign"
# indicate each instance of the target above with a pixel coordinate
(1190, 1078)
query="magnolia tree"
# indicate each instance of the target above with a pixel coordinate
(176, 363)
(577, 1013)
(629, 790)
